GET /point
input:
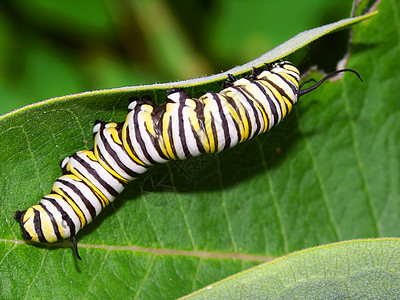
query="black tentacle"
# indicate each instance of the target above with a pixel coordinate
(73, 239)
(307, 90)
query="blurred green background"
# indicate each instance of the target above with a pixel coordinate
(55, 48)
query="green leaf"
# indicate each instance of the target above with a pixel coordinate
(329, 172)
(361, 269)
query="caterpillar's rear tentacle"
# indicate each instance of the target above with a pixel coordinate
(74, 243)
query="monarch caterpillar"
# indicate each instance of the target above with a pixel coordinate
(180, 128)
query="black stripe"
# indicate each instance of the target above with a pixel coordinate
(78, 192)
(271, 103)
(120, 130)
(155, 141)
(291, 75)
(156, 115)
(290, 84)
(270, 85)
(266, 113)
(94, 173)
(225, 127)
(139, 139)
(199, 145)
(182, 135)
(53, 222)
(115, 156)
(68, 197)
(94, 192)
(128, 139)
(101, 158)
(159, 124)
(250, 124)
(37, 222)
(199, 110)
(232, 103)
(214, 131)
(256, 112)
(171, 138)
(282, 93)
(250, 101)
(129, 142)
(64, 215)
(19, 216)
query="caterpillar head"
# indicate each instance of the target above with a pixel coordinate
(35, 225)
(19, 217)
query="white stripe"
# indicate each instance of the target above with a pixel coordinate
(211, 105)
(74, 197)
(146, 137)
(175, 126)
(132, 137)
(187, 112)
(102, 173)
(120, 152)
(63, 227)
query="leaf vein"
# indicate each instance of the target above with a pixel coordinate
(321, 185)
(359, 162)
(227, 218)
(274, 199)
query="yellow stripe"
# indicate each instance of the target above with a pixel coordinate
(280, 99)
(29, 214)
(104, 200)
(261, 106)
(264, 115)
(61, 228)
(104, 164)
(114, 132)
(126, 145)
(243, 124)
(209, 132)
(292, 68)
(148, 120)
(245, 121)
(71, 203)
(167, 142)
(291, 79)
(194, 121)
(45, 224)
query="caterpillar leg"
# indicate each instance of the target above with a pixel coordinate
(254, 73)
(229, 82)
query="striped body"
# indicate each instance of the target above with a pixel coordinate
(151, 134)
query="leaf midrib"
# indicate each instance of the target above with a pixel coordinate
(158, 251)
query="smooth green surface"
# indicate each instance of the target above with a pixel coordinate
(360, 269)
(330, 172)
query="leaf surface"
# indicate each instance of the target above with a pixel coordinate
(187, 224)
(346, 270)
